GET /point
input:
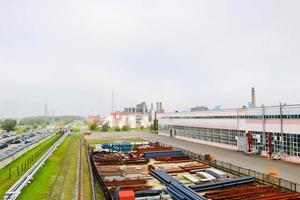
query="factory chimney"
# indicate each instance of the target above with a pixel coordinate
(253, 97)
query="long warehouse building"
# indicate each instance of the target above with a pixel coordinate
(272, 131)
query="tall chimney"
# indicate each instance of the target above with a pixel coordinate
(253, 96)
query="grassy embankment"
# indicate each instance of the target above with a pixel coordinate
(19, 166)
(58, 178)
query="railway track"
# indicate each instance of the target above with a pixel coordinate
(16, 189)
(59, 183)
(91, 174)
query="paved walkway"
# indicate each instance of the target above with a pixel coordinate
(286, 170)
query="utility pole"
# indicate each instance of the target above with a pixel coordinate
(45, 109)
(281, 128)
(112, 100)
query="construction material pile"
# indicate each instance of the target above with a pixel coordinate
(117, 147)
(175, 189)
(169, 153)
(128, 184)
(173, 159)
(194, 167)
(110, 170)
(108, 158)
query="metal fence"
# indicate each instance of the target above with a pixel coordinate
(99, 179)
(240, 171)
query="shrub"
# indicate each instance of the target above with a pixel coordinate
(125, 128)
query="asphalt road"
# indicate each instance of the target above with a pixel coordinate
(286, 170)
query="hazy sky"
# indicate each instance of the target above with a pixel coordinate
(72, 53)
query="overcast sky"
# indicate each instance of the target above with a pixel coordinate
(72, 53)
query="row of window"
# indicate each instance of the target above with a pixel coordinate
(237, 117)
(289, 144)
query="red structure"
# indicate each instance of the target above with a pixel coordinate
(126, 195)
(270, 139)
(249, 141)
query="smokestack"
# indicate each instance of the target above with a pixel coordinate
(253, 96)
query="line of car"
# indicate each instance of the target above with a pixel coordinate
(12, 143)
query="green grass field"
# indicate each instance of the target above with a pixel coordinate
(57, 179)
(130, 130)
(24, 162)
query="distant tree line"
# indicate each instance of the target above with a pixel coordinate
(9, 125)
(44, 120)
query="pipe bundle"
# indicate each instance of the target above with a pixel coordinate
(177, 190)
(163, 153)
(221, 184)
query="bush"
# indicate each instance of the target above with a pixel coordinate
(94, 126)
(154, 126)
(76, 129)
(9, 125)
(125, 128)
(105, 127)
(117, 129)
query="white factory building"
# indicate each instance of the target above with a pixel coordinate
(132, 120)
(270, 131)
(134, 117)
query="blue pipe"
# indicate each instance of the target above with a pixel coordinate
(185, 193)
(175, 186)
(191, 192)
(187, 190)
(175, 195)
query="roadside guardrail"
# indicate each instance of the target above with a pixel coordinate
(16, 189)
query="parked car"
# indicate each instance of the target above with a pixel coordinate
(3, 145)
(17, 141)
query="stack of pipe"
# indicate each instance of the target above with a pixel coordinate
(119, 146)
(109, 170)
(194, 166)
(174, 170)
(221, 184)
(173, 158)
(105, 159)
(163, 153)
(174, 188)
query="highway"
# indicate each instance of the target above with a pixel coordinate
(286, 170)
(11, 152)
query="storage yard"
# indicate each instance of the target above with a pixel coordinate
(147, 170)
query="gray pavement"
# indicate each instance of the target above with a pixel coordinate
(286, 170)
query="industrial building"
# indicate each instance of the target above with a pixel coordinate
(269, 131)
(134, 117)
(132, 120)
